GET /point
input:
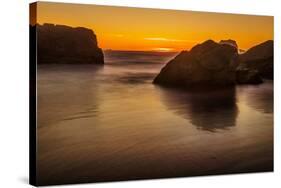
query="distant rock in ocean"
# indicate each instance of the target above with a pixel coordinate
(259, 58)
(206, 64)
(61, 44)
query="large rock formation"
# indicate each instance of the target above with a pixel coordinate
(259, 58)
(64, 44)
(208, 64)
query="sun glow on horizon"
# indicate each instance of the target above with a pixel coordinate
(164, 49)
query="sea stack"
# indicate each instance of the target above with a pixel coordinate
(60, 44)
(206, 64)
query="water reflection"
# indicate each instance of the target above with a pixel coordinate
(258, 97)
(94, 122)
(207, 110)
(136, 57)
(135, 78)
(67, 92)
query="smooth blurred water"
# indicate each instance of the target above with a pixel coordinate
(111, 123)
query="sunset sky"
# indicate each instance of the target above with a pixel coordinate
(122, 28)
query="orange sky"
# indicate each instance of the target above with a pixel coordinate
(122, 28)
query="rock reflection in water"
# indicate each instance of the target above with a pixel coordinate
(208, 110)
(258, 97)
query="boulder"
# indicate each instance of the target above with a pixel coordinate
(64, 44)
(259, 58)
(206, 64)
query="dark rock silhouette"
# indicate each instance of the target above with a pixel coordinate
(246, 76)
(259, 58)
(208, 64)
(63, 44)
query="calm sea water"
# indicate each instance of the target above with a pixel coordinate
(111, 123)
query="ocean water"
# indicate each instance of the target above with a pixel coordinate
(111, 123)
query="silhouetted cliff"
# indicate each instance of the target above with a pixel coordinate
(63, 44)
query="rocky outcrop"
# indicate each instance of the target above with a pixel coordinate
(246, 76)
(259, 58)
(63, 44)
(208, 64)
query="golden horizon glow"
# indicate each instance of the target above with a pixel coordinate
(164, 49)
(125, 28)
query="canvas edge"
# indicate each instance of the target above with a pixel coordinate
(33, 100)
(32, 95)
